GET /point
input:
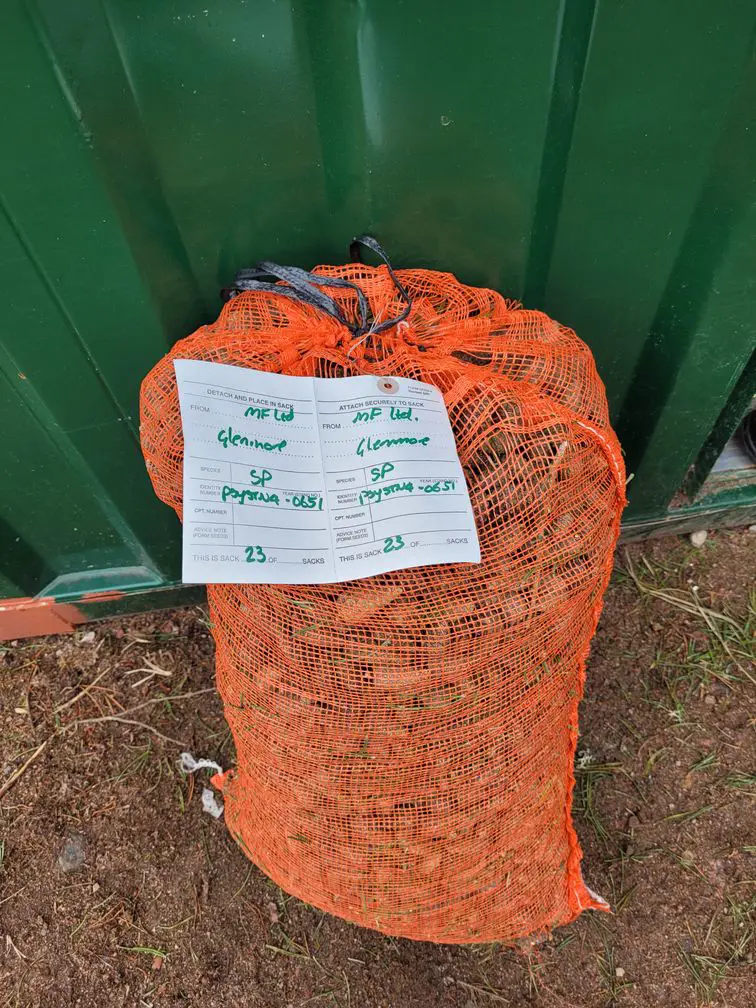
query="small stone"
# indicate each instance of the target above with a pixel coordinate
(72, 854)
(272, 912)
(698, 538)
(619, 972)
(157, 962)
(87, 638)
(752, 528)
(710, 700)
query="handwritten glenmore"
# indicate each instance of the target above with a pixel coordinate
(230, 440)
(368, 444)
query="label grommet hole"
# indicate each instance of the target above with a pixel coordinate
(389, 385)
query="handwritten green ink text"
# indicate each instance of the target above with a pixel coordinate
(260, 478)
(440, 486)
(395, 413)
(230, 440)
(393, 543)
(307, 501)
(372, 495)
(248, 496)
(375, 444)
(378, 472)
(270, 412)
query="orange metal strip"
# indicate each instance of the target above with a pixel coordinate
(32, 617)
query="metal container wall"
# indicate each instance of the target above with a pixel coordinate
(594, 159)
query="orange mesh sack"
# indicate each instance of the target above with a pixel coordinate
(405, 742)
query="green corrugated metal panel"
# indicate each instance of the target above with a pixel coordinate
(595, 159)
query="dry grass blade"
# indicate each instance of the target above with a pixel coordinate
(82, 693)
(488, 992)
(121, 718)
(11, 947)
(707, 615)
(691, 604)
(168, 698)
(147, 727)
(7, 899)
(22, 769)
(152, 669)
(675, 596)
(725, 950)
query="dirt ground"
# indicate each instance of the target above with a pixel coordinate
(116, 890)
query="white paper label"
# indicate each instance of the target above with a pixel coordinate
(313, 480)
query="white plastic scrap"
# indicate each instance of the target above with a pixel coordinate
(210, 804)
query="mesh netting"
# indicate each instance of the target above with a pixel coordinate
(405, 742)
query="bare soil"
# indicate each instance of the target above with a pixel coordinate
(116, 890)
